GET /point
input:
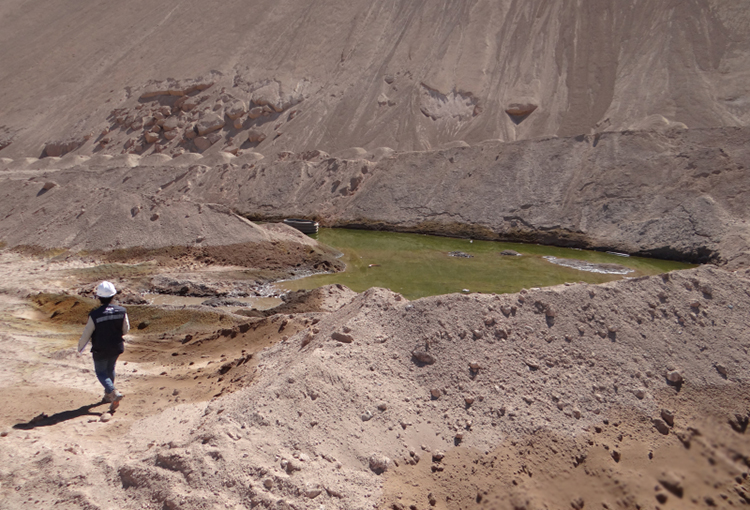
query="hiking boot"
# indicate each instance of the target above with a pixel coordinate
(112, 396)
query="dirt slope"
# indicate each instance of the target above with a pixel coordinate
(630, 395)
(677, 194)
(403, 74)
(670, 195)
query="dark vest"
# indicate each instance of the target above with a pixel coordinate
(106, 341)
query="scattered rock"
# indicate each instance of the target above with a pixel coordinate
(423, 357)
(255, 136)
(435, 392)
(236, 109)
(739, 422)
(520, 109)
(510, 253)
(460, 254)
(532, 363)
(202, 143)
(721, 369)
(59, 148)
(674, 376)
(171, 124)
(209, 123)
(379, 464)
(213, 137)
(662, 427)
(105, 417)
(313, 491)
(307, 338)
(668, 417)
(342, 337)
(672, 482)
(290, 465)
(256, 112)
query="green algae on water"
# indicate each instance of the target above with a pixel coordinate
(416, 265)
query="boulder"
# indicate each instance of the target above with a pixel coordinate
(209, 123)
(255, 136)
(314, 155)
(213, 137)
(61, 147)
(171, 123)
(520, 109)
(256, 112)
(190, 103)
(150, 136)
(202, 143)
(236, 109)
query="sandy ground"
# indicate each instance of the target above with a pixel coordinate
(628, 132)
(371, 401)
(339, 75)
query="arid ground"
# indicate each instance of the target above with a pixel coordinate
(158, 145)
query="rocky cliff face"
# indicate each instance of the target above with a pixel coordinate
(677, 194)
(410, 75)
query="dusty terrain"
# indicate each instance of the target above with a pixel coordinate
(149, 143)
(336, 75)
(678, 195)
(625, 395)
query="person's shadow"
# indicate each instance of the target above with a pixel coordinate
(42, 420)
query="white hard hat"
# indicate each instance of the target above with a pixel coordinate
(105, 290)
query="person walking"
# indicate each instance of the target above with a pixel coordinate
(105, 329)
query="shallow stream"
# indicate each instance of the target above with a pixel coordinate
(417, 265)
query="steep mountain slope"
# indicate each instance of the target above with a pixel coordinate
(411, 75)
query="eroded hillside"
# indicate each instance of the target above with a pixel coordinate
(335, 75)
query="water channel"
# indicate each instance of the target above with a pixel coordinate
(417, 265)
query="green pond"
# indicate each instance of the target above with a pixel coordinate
(417, 265)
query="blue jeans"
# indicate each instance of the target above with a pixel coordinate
(105, 372)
